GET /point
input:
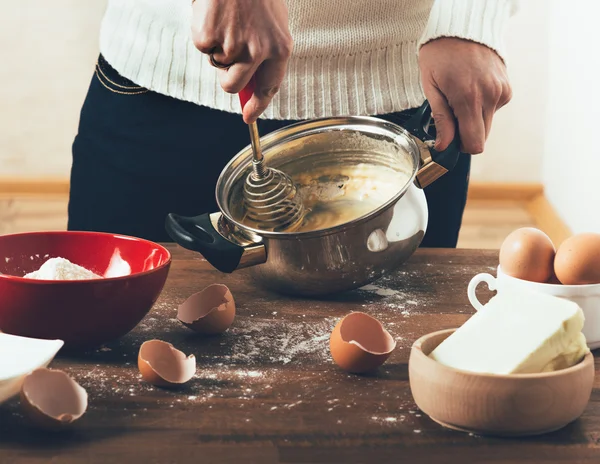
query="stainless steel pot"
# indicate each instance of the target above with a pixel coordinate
(338, 258)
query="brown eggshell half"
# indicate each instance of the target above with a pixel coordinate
(360, 344)
(161, 364)
(52, 399)
(210, 311)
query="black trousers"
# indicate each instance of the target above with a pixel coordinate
(139, 155)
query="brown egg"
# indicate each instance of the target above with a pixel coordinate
(577, 260)
(360, 344)
(210, 311)
(528, 254)
(164, 366)
(52, 399)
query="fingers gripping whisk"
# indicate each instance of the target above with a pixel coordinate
(270, 196)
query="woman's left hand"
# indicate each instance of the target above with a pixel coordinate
(465, 83)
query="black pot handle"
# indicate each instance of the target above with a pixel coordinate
(418, 126)
(198, 234)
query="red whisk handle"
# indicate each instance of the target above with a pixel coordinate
(247, 92)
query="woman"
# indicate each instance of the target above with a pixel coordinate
(161, 119)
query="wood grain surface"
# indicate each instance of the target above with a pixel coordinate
(267, 390)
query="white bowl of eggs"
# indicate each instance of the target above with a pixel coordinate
(530, 261)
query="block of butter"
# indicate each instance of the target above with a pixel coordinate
(517, 333)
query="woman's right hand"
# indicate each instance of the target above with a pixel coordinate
(251, 35)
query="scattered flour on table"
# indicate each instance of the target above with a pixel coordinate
(252, 341)
(281, 342)
(381, 291)
(388, 420)
(246, 366)
(61, 269)
(399, 301)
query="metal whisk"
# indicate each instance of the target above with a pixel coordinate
(271, 199)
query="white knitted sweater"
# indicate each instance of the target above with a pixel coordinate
(351, 57)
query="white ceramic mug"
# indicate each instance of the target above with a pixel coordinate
(586, 296)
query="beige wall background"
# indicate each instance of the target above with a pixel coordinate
(571, 158)
(513, 152)
(48, 50)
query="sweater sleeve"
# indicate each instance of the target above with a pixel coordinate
(481, 21)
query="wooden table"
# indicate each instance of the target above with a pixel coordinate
(267, 391)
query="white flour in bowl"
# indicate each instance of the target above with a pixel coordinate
(61, 269)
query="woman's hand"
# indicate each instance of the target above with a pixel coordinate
(251, 35)
(466, 82)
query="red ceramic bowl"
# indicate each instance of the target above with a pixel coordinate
(82, 313)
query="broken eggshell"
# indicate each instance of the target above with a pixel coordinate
(161, 364)
(359, 343)
(52, 399)
(30, 354)
(210, 311)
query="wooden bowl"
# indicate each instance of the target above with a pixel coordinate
(502, 405)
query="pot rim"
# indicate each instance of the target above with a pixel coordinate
(301, 128)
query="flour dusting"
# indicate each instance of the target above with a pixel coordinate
(281, 341)
(381, 291)
(384, 299)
